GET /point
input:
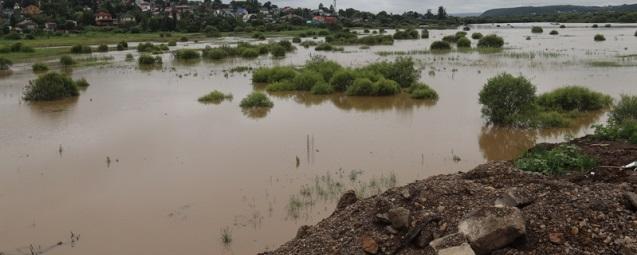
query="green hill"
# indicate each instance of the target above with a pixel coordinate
(556, 9)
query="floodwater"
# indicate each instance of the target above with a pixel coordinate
(136, 165)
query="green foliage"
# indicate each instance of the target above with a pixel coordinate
(296, 40)
(550, 119)
(424, 34)
(306, 80)
(256, 100)
(172, 43)
(102, 48)
(249, 53)
(328, 47)
(376, 40)
(50, 86)
(386, 87)
(440, 45)
(278, 51)
(287, 45)
(342, 79)
(215, 97)
(17, 47)
(67, 61)
(187, 54)
(148, 60)
(211, 31)
(537, 30)
(461, 34)
(322, 88)
(82, 83)
(5, 64)
(275, 74)
(477, 36)
(554, 32)
(450, 39)
(361, 87)
(123, 45)
(215, 53)
(422, 91)
(555, 161)
(325, 67)
(505, 98)
(626, 130)
(402, 70)
(574, 98)
(625, 110)
(599, 38)
(408, 34)
(491, 41)
(281, 86)
(149, 47)
(258, 36)
(464, 43)
(129, 57)
(39, 67)
(81, 49)
(183, 39)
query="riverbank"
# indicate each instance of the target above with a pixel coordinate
(492, 209)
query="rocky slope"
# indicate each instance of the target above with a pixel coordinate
(492, 209)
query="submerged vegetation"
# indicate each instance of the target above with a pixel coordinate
(491, 41)
(256, 100)
(51, 86)
(215, 97)
(440, 45)
(146, 60)
(599, 38)
(321, 76)
(248, 51)
(5, 64)
(510, 100)
(537, 30)
(622, 121)
(40, 67)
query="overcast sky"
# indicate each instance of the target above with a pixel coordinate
(453, 6)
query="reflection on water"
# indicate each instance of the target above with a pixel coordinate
(399, 103)
(53, 109)
(256, 113)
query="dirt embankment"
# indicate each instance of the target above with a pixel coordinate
(493, 209)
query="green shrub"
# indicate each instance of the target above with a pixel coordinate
(375, 40)
(328, 47)
(123, 45)
(148, 60)
(81, 49)
(625, 110)
(422, 91)
(537, 30)
(82, 83)
(608, 25)
(554, 32)
(40, 67)
(342, 79)
(406, 35)
(306, 80)
(386, 87)
(322, 88)
(326, 68)
(249, 53)
(17, 47)
(172, 43)
(574, 98)
(50, 86)
(102, 48)
(491, 41)
(477, 36)
(626, 130)
(361, 87)
(258, 36)
(402, 70)
(464, 43)
(461, 34)
(277, 51)
(296, 40)
(183, 39)
(440, 45)
(129, 57)
(211, 31)
(214, 53)
(595, 26)
(551, 119)
(149, 47)
(214, 97)
(555, 161)
(505, 98)
(599, 38)
(256, 100)
(307, 44)
(187, 54)
(5, 64)
(562, 26)
(287, 45)
(450, 39)
(270, 75)
(67, 61)
(424, 34)
(280, 86)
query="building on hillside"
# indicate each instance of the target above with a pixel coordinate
(27, 24)
(103, 18)
(144, 6)
(328, 20)
(31, 10)
(50, 26)
(241, 12)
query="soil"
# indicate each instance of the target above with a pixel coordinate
(579, 213)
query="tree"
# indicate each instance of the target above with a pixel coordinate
(429, 14)
(442, 13)
(507, 99)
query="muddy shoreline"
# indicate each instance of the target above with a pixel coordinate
(592, 212)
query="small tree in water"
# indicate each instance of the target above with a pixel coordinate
(506, 98)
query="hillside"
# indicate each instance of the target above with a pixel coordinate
(556, 9)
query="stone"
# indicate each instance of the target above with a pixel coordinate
(515, 197)
(369, 245)
(574, 231)
(382, 218)
(628, 246)
(303, 232)
(463, 249)
(491, 228)
(399, 218)
(556, 238)
(425, 237)
(631, 200)
(405, 193)
(347, 199)
(454, 244)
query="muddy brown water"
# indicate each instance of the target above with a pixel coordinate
(136, 165)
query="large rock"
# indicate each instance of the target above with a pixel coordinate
(347, 199)
(492, 228)
(515, 197)
(399, 218)
(454, 244)
(369, 245)
(631, 200)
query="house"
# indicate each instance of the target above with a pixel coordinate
(31, 10)
(27, 24)
(330, 20)
(50, 26)
(241, 12)
(249, 17)
(144, 6)
(103, 18)
(126, 18)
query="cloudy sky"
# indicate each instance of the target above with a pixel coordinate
(453, 6)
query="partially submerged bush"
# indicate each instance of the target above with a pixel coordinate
(361, 87)
(402, 70)
(67, 61)
(406, 35)
(39, 67)
(505, 98)
(464, 43)
(422, 91)
(537, 30)
(296, 40)
(491, 41)
(555, 161)
(215, 97)
(82, 83)
(249, 53)
(129, 57)
(187, 54)
(5, 64)
(149, 47)
(625, 110)
(322, 88)
(477, 36)
(278, 51)
(440, 45)
(328, 47)
(574, 98)
(554, 32)
(306, 80)
(148, 60)
(385, 87)
(123, 45)
(342, 79)
(424, 34)
(50, 86)
(256, 100)
(81, 49)
(102, 48)
(450, 38)
(281, 86)
(599, 38)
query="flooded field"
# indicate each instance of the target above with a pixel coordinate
(136, 165)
